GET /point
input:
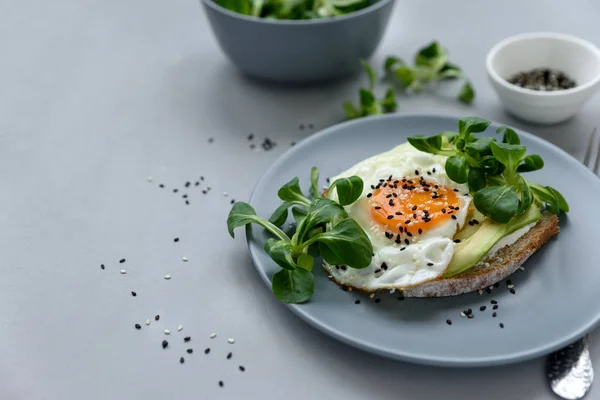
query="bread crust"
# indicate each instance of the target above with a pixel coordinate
(489, 270)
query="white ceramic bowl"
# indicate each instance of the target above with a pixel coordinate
(577, 58)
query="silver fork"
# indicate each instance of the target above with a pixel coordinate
(592, 154)
(570, 370)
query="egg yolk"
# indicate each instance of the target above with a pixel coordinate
(411, 206)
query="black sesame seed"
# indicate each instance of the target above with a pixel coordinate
(176, 240)
(414, 208)
(157, 317)
(398, 213)
(229, 356)
(408, 234)
(357, 302)
(133, 293)
(405, 241)
(187, 339)
(164, 344)
(138, 326)
(488, 290)
(417, 172)
(197, 183)
(495, 307)
(512, 291)
(122, 260)
(377, 300)
(390, 216)
(433, 170)
(190, 351)
(429, 264)
(207, 350)
(232, 201)
(456, 240)
(469, 311)
(493, 302)
(377, 207)
(395, 194)
(250, 136)
(378, 270)
(501, 325)
(414, 216)
(221, 383)
(471, 223)
(201, 178)
(453, 217)
(161, 186)
(475, 221)
(343, 267)
(369, 194)
(187, 184)
(384, 266)
(420, 231)
(494, 314)
(175, 190)
(373, 187)
(102, 266)
(449, 322)
(187, 202)
(482, 308)
(242, 368)
(443, 210)
(456, 190)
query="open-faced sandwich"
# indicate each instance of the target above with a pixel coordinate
(437, 216)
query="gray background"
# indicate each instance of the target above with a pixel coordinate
(94, 97)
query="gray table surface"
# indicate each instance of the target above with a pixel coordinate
(95, 96)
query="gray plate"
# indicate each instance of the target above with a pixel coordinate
(556, 298)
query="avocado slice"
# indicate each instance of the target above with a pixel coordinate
(470, 251)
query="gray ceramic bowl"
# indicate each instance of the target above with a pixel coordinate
(299, 51)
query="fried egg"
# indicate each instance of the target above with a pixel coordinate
(410, 210)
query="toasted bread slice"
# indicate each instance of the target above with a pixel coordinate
(491, 269)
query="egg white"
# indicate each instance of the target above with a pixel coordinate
(428, 255)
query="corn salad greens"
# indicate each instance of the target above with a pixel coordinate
(368, 103)
(322, 228)
(294, 9)
(431, 65)
(492, 169)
